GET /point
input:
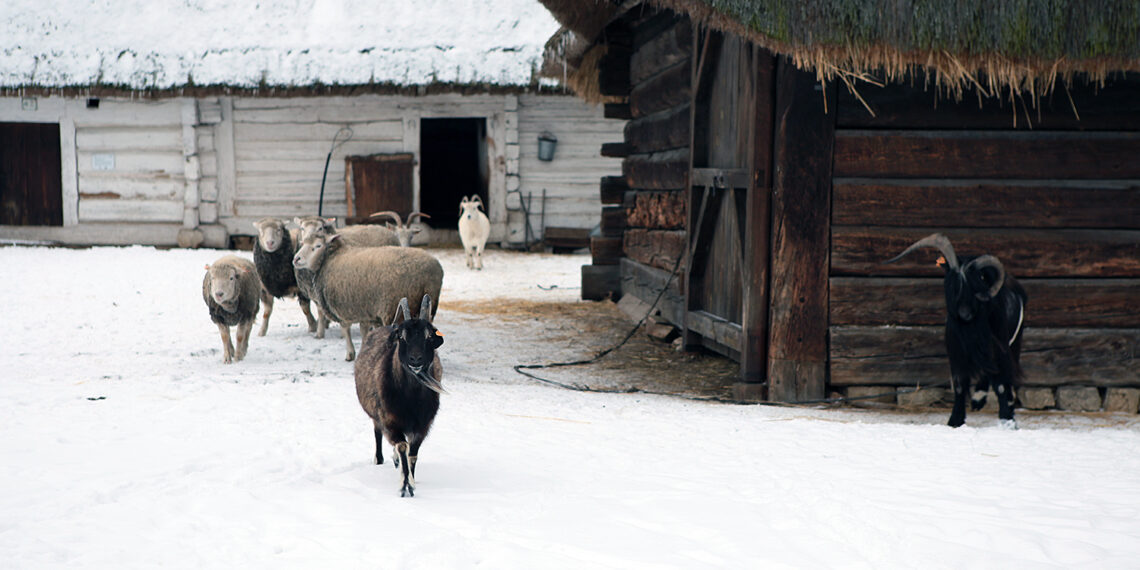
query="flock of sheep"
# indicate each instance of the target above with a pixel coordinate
(362, 274)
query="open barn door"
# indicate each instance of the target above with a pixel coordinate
(726, 269)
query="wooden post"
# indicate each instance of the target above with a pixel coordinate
(754, 317)
(801, 214)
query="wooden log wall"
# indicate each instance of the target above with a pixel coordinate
(1055, 198)
(657, 136)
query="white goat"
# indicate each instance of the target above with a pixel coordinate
(474, 229)
(404, 231)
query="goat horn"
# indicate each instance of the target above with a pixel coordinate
(403, 308)
(425, 308)
(415, 215)
(938, 241)
(390, 214)
(984, 261)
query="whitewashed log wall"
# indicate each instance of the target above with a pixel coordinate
(572, 179)
(140, 171)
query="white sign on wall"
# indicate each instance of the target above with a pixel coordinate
(103, 161)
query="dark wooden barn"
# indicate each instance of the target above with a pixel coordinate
(766, 178)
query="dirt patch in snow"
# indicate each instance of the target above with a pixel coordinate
(566, 331)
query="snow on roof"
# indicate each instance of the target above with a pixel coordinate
(162, 44)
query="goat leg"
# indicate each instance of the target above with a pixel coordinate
(408, 482)
(961, 388)
(978, 399)
(379, 445)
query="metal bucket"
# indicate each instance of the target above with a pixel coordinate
(546, 144)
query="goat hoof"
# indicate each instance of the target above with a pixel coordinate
(1010, 424)
(956, 422)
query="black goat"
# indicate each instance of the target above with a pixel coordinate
(397, 383)
(985, 309)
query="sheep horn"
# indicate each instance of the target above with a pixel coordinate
(425, 308)
(939, 241)
(390, 214)
(984, 261)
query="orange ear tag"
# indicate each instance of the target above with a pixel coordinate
(941, 261)
(438, 333)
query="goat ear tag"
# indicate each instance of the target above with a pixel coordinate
(438, 333)
(941, 261)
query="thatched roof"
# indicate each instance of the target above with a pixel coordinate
(285, 46)
(996, 46)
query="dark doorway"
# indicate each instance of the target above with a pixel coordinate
(31, 187)
(453, 164)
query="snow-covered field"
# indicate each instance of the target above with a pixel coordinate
(126, 443)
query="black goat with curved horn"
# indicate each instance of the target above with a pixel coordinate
(985, 311)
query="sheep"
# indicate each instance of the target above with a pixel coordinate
(232, 292)
(360, 236)
(273, 256)
(398, 384)
(474, 229)
(985, 311)
(364, 284)
(404, 231)
(354, 235)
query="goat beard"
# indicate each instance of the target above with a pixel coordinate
(425, 378)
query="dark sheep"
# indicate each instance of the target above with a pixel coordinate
(232, 292)
(273, 252)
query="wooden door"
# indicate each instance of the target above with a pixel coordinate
(379, 182)
(726, 274)
(31, 189)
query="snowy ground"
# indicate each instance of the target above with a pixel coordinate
(126, 443)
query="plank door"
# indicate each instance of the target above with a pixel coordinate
(31, 188)
(726, 271)
(379, 182)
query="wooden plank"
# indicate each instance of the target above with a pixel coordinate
(136, 186)
(119, 113)
(613, 221)
(801, 214)
(657, 210)
(661, 51)
(1050, 357)
(1073, 303)
(666, 170)
(757, 227)
(605, 250)
(615, 150)
(159, 163)
(600, 282)
(655, 248)
(664, 130)
(1115, 105)
(652, 25)
(717, 329)
(617, 111)
(986, 203)
(613, 189)
(375, 131)
(648, 284)
(987, 154)
(103, 210)
(109, 139)
(861, 250)
(665, 90)
(564, 237)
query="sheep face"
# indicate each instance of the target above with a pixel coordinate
(312, 251)
(315, 225)
(225, 285)
(270, 233)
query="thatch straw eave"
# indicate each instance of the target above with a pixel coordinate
(1017, 48)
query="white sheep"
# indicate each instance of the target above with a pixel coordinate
(474, 229)
(232, 293)
(365, 284)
